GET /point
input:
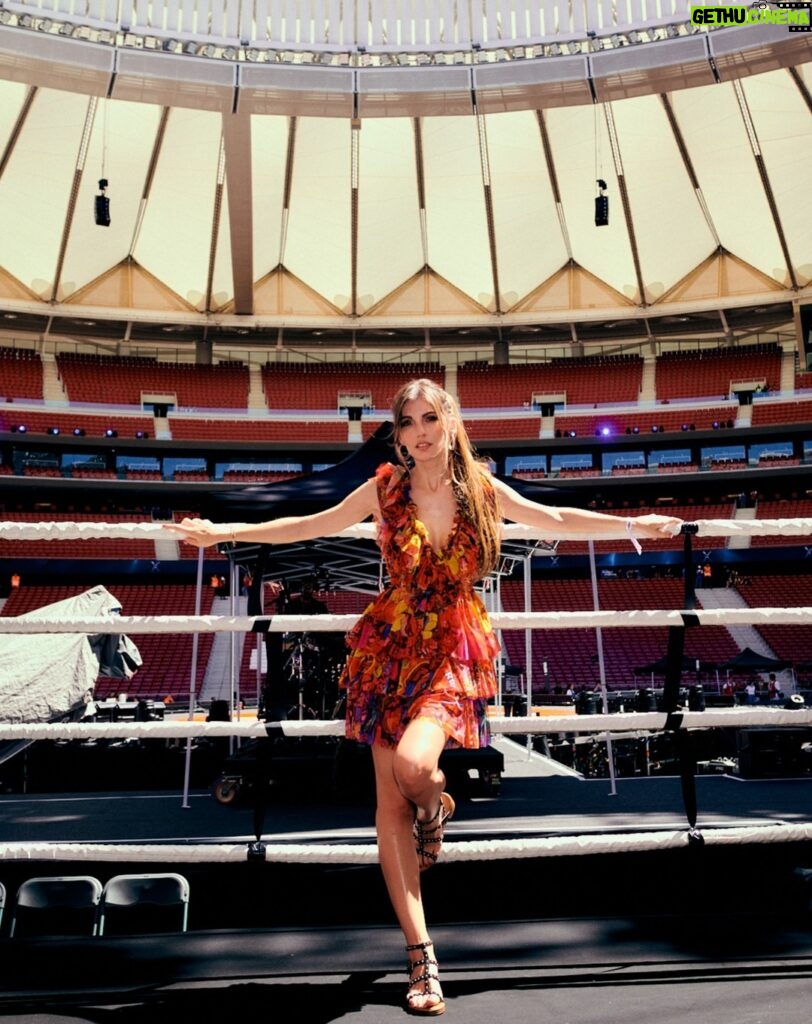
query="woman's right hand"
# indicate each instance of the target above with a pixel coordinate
(202, 533)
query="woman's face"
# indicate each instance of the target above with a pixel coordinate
(421, 431)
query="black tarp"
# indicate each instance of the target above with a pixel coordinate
(749, 660)
(658, 668)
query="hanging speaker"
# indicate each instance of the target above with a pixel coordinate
(103, 211)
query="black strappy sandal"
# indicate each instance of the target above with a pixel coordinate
(428, 977)
(429, 833)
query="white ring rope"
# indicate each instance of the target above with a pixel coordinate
(620, 722)
(453, 851)
(329, 623)
(12, 530)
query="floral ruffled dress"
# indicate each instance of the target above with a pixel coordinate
(425, 646)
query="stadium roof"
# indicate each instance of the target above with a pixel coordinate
(249, 198)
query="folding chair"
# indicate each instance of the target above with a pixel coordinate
(144, 903)
(58, 905)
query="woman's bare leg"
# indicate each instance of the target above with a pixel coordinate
(408, 781)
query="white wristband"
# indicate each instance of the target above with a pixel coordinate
(632, 538)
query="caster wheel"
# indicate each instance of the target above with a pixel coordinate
(226, 791)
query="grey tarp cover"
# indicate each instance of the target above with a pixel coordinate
(47, 676)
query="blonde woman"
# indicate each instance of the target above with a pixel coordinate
(420, 668)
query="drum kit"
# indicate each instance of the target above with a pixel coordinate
(311, 669)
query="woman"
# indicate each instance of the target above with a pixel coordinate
(420, 668)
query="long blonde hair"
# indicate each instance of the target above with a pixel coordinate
(476, 496)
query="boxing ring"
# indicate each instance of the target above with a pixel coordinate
(674, 718)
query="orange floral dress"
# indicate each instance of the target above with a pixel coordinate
(425, 646)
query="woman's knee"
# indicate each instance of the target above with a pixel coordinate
(414, 774)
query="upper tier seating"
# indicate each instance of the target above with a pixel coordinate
(318, 385)
(584, 382)
(524, 428)
(704, 373)
(20, 373)
(124, 379)
(307, 431)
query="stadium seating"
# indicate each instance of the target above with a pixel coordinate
(711, 372)
(20, 373)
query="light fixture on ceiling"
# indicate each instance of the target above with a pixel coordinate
(601, 205)
(102, 205)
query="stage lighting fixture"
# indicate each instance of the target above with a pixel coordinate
(572, 433)
(102, 205)
(110, 432)
(78, 431)
(605, 431)
(794, 702)
(684, 426)
(715, 424)
(654, 428)
(635, 430)
(601, 205)
(141, 435)
(53, 430)
(20, 428)
(558, 433)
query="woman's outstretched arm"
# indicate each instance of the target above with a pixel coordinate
(355, 508)
(580, 521)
